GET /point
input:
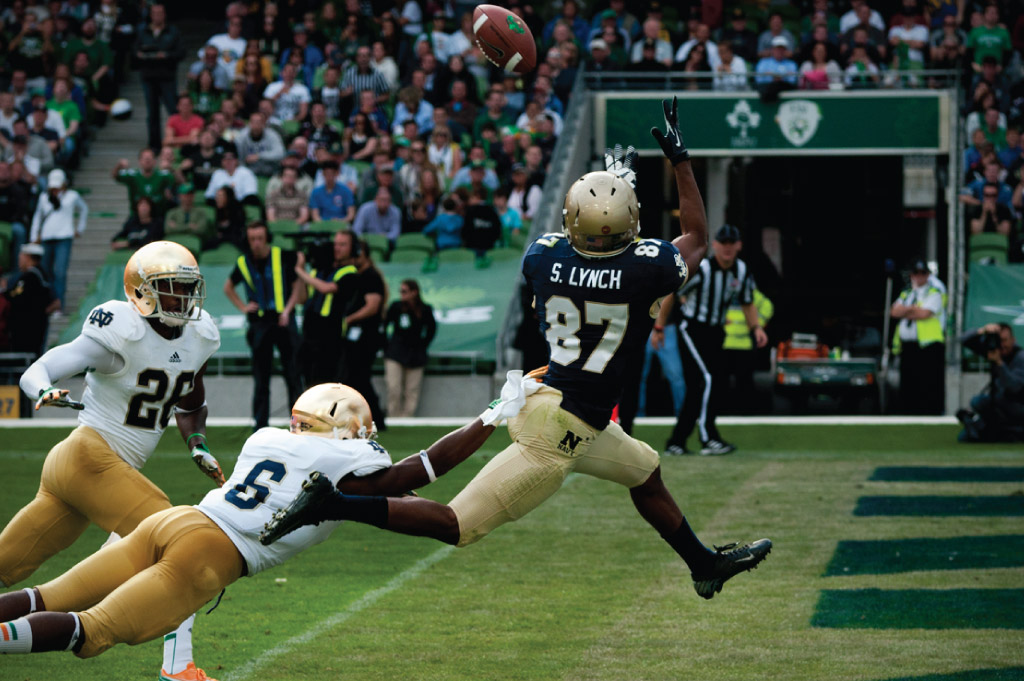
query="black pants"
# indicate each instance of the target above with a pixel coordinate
(358, 370)
(700, 347)
(737, 382)
(158, 91)
(320, 354)
(923, 378)
(263, 336)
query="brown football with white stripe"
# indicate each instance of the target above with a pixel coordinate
(504, 38)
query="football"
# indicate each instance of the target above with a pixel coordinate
(504, 39)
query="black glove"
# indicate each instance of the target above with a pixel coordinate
(671, 141)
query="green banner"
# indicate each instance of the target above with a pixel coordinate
(995, 293)
(717, 124)
(469, 303)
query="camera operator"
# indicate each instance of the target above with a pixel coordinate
(333, 284)
(997, 413)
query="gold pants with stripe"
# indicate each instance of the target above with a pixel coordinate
(144, 586)
(83, 481)
(548, 444)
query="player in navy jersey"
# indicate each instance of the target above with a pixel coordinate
(597, 288)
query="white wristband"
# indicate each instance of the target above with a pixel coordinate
(179, 410)
(426, 465)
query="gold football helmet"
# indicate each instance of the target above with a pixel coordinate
(601, 215)
(168, 271)
(333, 410)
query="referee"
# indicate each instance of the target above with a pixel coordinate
(720, 280)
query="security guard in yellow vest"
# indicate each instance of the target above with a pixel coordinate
(740, 359)
(273, 290)
(331, 291)
(919, 342)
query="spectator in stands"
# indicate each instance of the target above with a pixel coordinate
(14, 205)
(8, 114)
(379, 216)
(1012, 157)
(696, 63)
(255, 82)
(410, 327)
(909, 39)
(647, 62)
(576, 24)
(991, 215)
(206, 97)
(731, 72)
(18, 153)
(605, 26)
(601, 57)
(200, 161)
(359, 139)
(290, 98)
(186, 218)
(861, 72)
(777, 69)
(446, 227)
(30, 48)
(443, 152)
(481, 226)
(60, 217)
(40, 131)
(993, 79)
(871, 39)
(362, 76)
(819, 72)
(142, 227)
(32, 301)
(652, 35)
(461, 111)
(947, 47)
(100, 58)
(494, 112)
(229, 220)
(146, 180)
(230, 46)
(272, 292)
(412, 105)
(383, 176)
(768, 40)
(288, 202)
(385, 63)
(374, 113)
(332, 200)
(260, 147)
(157, 52)
(311, 55)
(992, 173)
(183, 127)
(475, 179)
(71, 117)
(318, 131)
(478, 159)
(209, 61)
(296, 160)
(701, 36)
(990, 38)
(860, 13)
(20, 89)
(522, 197)
(230, 174)
(511, 220)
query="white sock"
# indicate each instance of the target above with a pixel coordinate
(32, 606)
(114, 536)
(178, 647)
(76, 634)
(16, 636)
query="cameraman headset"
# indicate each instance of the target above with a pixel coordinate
(331, 291)
(997, 413)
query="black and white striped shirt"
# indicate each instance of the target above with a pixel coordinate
(364, 81)
(711, 290)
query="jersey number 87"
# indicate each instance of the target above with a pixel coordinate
(564, 322)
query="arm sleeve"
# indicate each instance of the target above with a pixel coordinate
(83, 213)
(37, 222)
(63, 361)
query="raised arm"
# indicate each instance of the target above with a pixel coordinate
(693, 223)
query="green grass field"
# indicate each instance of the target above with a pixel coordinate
(862, 585)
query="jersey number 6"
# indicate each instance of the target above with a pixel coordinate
(563, 318)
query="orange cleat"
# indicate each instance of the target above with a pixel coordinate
(189, 673)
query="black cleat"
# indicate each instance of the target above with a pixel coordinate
(728, 562)
(303, 509)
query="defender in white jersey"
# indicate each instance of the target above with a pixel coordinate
(143, 358)
(140, 587)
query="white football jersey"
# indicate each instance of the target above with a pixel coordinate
(268, 474)
(131, 408)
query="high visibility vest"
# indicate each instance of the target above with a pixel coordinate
(737, 333)
(277, 275)
(325, 308)
(928, 330)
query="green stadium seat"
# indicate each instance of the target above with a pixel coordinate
(407, 256)
(379, 255)
(252, 213)
(283, 226)
(450, 255)
(118, 258)
(505, 254)
(338, 126)
(189, 241)
(329, 226)
(290, 129)
(6, 230)
(377, 242)
(225, 254)
(415, 240)
(359, 166)
(988, 247)
(518, 240)
(261, 188)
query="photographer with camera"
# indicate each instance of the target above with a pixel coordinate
(333, 285)
(997, 413)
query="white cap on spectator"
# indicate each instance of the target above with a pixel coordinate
(56, 178)
(598, 44)
(779, 41)
(32, 249)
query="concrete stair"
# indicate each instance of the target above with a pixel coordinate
(108, 200)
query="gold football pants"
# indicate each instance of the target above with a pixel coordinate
(548, 443)
(144, 586)
(83, 481)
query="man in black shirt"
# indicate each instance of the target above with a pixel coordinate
(333, 289)
(200, 161)
(273, 290)
(719, 280)
(363, 334)
(13, 208)
(481, 226)
(158, 50)
(32, 300)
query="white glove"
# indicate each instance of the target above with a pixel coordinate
(621, 165)
(513, 398)
(208, 465)
(56, 397)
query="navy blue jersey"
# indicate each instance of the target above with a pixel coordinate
(596, 312)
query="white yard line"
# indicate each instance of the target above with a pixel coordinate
(368, 599)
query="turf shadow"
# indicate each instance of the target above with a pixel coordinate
(948, 474)
(1007, 674)
(920, 609)
(940, 506)
(883, 557)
